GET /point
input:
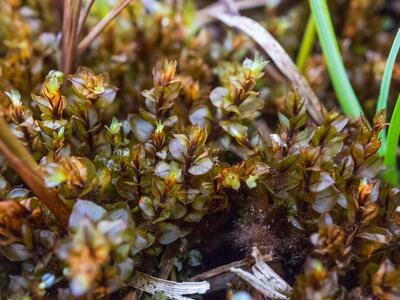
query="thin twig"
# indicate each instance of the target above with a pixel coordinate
(230, 7)
(75, 24)
(26, 167)
(84, 16)
(65, 30)
(71, 14)
(203, 15)
(220, 270)
(88, 39)
(226, 268)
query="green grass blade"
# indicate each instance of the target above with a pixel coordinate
(385, 85)
(307, 44)
(343, 89)
(390, 157)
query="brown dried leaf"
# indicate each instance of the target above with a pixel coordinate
(171, 289)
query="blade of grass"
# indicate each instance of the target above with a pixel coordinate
(343, 89)
(385, 86)
(390, 157)
(307, 44)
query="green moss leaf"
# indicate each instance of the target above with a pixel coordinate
(217, 96)
(168, 233)
(15, 252)
(179, 146)
(85, 209)
(201, 165)
(320, 181)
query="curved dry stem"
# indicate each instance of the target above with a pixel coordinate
(26, 167)
(84, 15)
(203, 15)
(71, 14)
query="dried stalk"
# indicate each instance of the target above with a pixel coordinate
(84, 15)
(65, 31)
(219, 277)
(23, 163)
(73, 21)
(264, 279)
(230, 7)
(166, 262)
(203, 15)
(219, 270)
(171, 289)
(279, 56)
(226, 268)
(72, 9)
(88, 39)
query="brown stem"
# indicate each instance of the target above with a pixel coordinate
(72, 9)
(90, 141)
(88, 39)
(230, 6)
(65, 29)
(139, 182)
(84, 16)
(16, 147)
(188, 162)
(26, 167)
(220, 270)
(202, 15)
(226, 268)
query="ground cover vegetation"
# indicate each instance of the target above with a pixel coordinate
(145, 143)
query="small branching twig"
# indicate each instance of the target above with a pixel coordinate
(101, 25)
(84, 15)
(73, 20)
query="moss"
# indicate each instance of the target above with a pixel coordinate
(155, 138)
